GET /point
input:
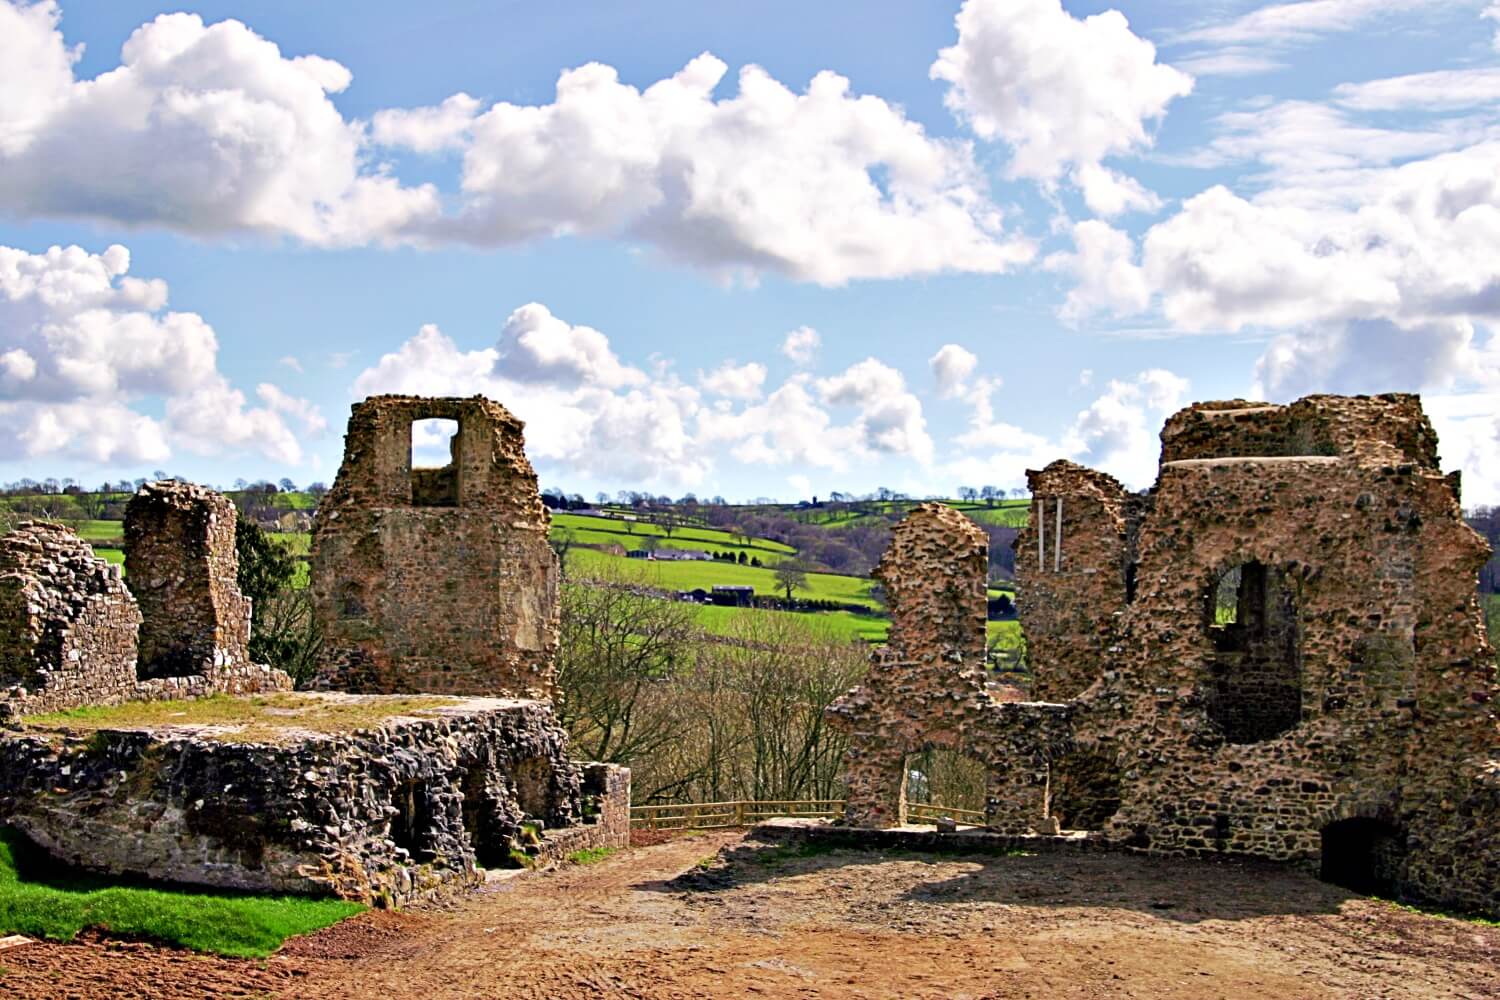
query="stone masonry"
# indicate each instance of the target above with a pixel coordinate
(435, 580)
(68, 625)
(383, 814)
(182, 567)
(927, 688)
(1277, 651)
(72, 633)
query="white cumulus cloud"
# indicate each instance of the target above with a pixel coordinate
(736, 381)
(1065, 93)
(83, 345)
(951, 367)
(206, 129)
(824, 185)
(801, 345)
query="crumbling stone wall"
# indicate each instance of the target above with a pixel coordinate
(183, 570)
(381, 815)
(70, 628)
(1074, 569)
(1357, 683)
(68, 624)
(435, 580)
(927, 687)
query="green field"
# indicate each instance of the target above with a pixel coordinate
(41, 899)
(1005, 513)
(101, 531)
(842, 624)
(606, 531)
(691, 575)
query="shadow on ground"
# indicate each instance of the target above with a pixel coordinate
(1182, 889)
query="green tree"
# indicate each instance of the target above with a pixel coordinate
(283, 630)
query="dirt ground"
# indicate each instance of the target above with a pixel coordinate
(721, 916)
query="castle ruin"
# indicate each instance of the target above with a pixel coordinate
(435, 583)
(72, 633)
(1276, 652)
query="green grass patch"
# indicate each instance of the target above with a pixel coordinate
(1002, 630)
(591, 855)
(1428, 911)
(297, 543)
(42, 899)
(101, 531)
(260, 718)
(846, 625)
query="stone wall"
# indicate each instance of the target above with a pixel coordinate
(1074, 570)
(68, 624)
(381, 815)
(182, 567)
(69, 627)
(927, 687)
(435, 580)
(1276, 652)
(1354, 683)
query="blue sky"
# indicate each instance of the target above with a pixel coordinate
(750, 250)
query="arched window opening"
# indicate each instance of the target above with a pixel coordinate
(1255, 687)
(939, 780)
(435, 463)
(1367, 856)
(1083, 791)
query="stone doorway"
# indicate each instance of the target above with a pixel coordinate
(1367, 856)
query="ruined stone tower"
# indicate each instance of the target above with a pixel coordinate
(181, 565)
(926, 689)
(1278, 650)
(435, 580)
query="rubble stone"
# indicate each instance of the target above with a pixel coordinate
(926, 688)
(182, 567)
(383, 815)
(68, 624)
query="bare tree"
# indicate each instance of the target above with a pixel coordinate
(791, 574)
(620, 644)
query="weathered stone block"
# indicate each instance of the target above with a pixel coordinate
(417, 798)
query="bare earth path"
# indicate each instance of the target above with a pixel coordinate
(774, 922)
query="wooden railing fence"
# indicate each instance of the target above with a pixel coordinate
(747, 812)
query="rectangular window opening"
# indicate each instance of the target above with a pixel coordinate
(435, 464)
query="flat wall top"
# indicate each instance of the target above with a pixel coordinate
(1390, 428)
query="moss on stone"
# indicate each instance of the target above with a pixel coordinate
(267, 718)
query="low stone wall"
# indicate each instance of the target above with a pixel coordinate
(383, 815)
